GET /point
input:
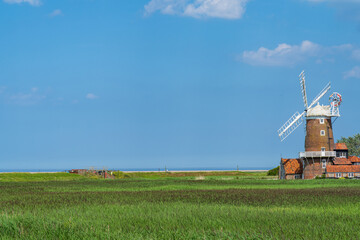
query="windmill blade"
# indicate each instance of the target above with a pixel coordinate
(303, 88)
(290, 125)
(320, 95)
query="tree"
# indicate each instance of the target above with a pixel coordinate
(353, 144)
(273, 172)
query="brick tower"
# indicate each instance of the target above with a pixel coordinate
(319, 142)
(319, 133)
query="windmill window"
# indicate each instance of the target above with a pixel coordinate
(351, 174)
(323, 163)
(338, 175)
(322, 133)
(322, 121)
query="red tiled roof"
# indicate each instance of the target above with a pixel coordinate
(341, 146)
(342, 161)
(342, 168)
(292, 165)
(354, 159)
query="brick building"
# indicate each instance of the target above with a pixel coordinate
(290, 168)
(340, 165)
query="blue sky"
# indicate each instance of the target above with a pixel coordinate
(181, 83)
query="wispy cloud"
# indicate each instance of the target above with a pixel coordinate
(289, 55)
(346, 9)
(28, 98)
(353, 73)
(356, 54)
(2, 89)
(228, 9)
(56, 12)
(34, 89)
(91, 96)
(283, 54)
(31, 2)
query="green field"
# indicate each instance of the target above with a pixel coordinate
(228, 205)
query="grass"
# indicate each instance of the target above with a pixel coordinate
(31, 177)
(155, 175)
(217, 207)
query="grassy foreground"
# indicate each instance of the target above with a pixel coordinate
(210, 207)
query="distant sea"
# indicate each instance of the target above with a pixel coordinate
(139, 169)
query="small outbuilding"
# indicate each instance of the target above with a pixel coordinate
(290, 168)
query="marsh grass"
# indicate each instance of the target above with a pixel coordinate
(35, 177)
(62, 176)
(180, 208)
(156, 175)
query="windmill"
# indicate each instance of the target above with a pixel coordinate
(312, 111)
(319, 140)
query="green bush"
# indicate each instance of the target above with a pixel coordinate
(273, 172)
(323, 176)
(118, 174)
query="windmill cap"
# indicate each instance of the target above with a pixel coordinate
(319, 111)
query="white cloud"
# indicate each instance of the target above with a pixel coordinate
(289, 55)
(31, 2)
(228, 9)
(353, 73)
(91, 96)
(283, 54)
(56, 12)
(165, 6)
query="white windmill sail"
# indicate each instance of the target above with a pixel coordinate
(303, 88)
(290, 126)
(320, 95)
(296, 119)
